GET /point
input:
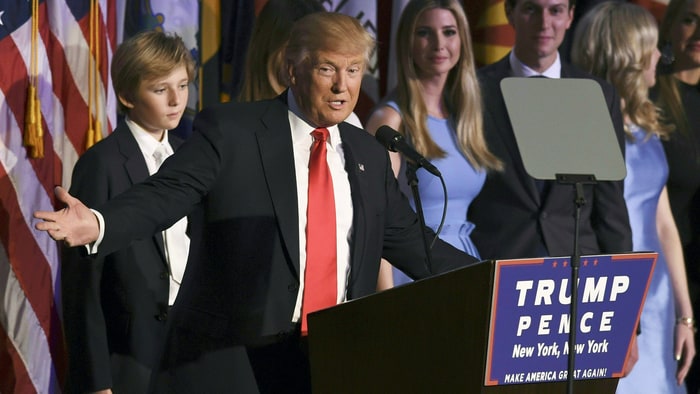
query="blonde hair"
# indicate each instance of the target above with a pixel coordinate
(147, 55)
(669, 97)
(616, 41)
(462, 94)
(321, 31)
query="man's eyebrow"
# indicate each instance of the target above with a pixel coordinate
(336, 65)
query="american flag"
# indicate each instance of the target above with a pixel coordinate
(492, 36)
(32, 352)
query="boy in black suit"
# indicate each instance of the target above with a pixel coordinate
(115, 307)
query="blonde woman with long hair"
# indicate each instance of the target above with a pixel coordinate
(617, 41)
(437, 107)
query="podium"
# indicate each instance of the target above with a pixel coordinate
(433, 335)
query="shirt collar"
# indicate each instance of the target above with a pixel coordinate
(301, 128)
(521, 70)
(146, 142)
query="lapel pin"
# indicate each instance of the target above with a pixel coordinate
(361, 166)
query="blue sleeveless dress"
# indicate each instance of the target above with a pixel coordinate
(647, 172)
(463, 184)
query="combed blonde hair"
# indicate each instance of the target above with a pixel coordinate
(146, 55)
(462, 94)
(321, 31)
(616, 41)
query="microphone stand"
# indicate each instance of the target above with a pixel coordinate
(413, 183)
(579, 201)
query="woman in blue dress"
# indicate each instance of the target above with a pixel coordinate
(437, 107)
(617, 41)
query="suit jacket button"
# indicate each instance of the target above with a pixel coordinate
(543, 215)
(162, 316)
(293, 288)
(164, 275)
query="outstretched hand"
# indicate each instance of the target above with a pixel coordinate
(75, 224)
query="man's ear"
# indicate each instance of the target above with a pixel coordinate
(571, 16)
(291, 71)
(125, 102)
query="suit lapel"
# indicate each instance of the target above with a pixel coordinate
(502, 70)
(358, 188)
(174, 141)
(277, 156)
(134, 163)
(135, 166)
(565, 70)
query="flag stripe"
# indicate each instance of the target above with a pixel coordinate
(70, 81)
(28, 310)
(16, 84)
(12, 372)
(498, 35)
(32, 354)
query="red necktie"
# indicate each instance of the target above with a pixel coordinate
(320, 280)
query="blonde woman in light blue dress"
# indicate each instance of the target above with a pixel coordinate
(617, 41)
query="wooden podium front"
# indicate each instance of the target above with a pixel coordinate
(429, 336)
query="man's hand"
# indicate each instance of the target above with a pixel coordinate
(75, 224)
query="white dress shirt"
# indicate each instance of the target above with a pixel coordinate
(302, 141)
(176, 243)
(519, 68)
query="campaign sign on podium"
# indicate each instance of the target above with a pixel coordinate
(529, 325)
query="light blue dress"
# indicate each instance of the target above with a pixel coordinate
(647, 172)
(463, 184)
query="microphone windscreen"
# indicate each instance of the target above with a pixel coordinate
(387, 137)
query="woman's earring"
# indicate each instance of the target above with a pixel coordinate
(667, 57)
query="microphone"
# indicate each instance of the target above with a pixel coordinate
(393, 141)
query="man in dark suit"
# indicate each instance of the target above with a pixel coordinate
(115, 307)
(515, 215)
(236, 323)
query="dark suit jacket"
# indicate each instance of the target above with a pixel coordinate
(243, 275)
(114, 307)
(513, 220)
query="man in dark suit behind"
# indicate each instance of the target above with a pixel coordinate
(115, 308)
(235, 325)
(515, 215)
